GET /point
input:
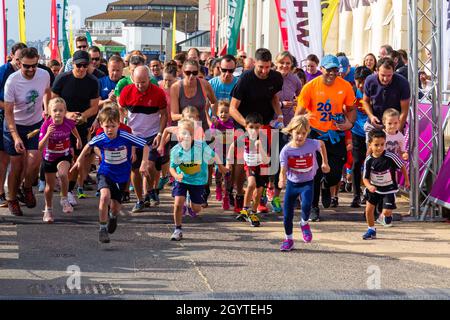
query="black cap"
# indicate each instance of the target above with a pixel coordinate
(80, 57)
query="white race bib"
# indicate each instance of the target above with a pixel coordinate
(116, 156)
(381, 179)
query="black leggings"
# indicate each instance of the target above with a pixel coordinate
(359, 155)
(337, 156)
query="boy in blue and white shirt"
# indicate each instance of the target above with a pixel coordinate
(115, 167)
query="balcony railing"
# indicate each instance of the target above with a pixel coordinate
(116, 32)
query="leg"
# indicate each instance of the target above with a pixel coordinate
(258, 194)
(196, 207)
(14, 176)
(306, 193)
(251, 186)
(104, 203)
(63, 174)
(115, 207)
(370, 218)
(32, 167)
(50, 178)
(177, 210)
(290, 196)
(136, 179)
(4, 160)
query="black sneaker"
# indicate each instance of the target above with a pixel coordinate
(112, 224)
(334, 202)
(126, 197)
(147, 200)
(356, 202)
(315, 214)
(341, 186)
(103, 236)
(326, 195)
(20, 196)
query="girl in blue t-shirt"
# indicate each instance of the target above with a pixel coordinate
(298, 166)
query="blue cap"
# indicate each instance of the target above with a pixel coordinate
(329, 61)
(343, 64)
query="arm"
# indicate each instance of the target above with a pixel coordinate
(178, 177)
(9, 117)
(77, 135)
(166, 138)
(93, 109)
(282, 179)
(277, 108)
(368, 109)
(79, 163)
(212, 97)
(265, 158)
(369, 186)
(405, 174)
(404, 105)
(230, 156)
(162, 125)
(44, 140)
(175, 102)
(323, 153)
(235, 114)
(47, 97)
(145, 162)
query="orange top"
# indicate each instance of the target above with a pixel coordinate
(324, 101)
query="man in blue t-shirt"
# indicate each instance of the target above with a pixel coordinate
(345, 70)
(384, 90)
(109, 82)
(224, 84)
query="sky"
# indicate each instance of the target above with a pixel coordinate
(37, 15)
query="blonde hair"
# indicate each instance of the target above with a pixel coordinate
(391, 112)
(224, 103)
(297, 123)
(186, 123)
(190, 110)
(285, 54)
(55, 101)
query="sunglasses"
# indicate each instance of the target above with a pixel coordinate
(29, 66)
(188, 73)
(82, 65)
(81, 47)
(243, 57)
(95, 59)
(332, 70)
(227, 70)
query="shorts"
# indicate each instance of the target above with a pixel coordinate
(261, 181)
(388, 200)
(195, 192)
(153, 156)
(117, 189)
(29, 144)
(52, 166)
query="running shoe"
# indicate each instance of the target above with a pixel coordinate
(103, 236)
(306, 232)
(270, 192)
(112, 224)
(41, 186)
(21, 195)
(370, 235)
(287, 245)
(147, 202)
(71, 199)
(14, 208)
(276, 204)
(81, 194)
(66, 206)
(138, 207)
(3, 201)
(243, 215)
(154, 198)
(30, 200)
(126, 197)
(177, 235)
(184, 210)
(315, 214)
(48, 216)
(254, 220)
(334, 202)
(191, 212)
(388, 221)
(162, 182)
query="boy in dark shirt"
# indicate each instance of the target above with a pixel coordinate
(380, 180)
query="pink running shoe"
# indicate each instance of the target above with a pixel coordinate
(307, 234)
(287, 245)
(191, 212)
(219, 193)
(270, 192)
(226, 202)
(66, 206)
(48, 216)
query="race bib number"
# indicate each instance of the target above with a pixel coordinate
(116, 155)
(381, 179)
(299, 165)
(252, 159)
(190, 168)
(59, 147)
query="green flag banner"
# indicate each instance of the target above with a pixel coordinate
(66, 50)
(235, 11)
(89, 38)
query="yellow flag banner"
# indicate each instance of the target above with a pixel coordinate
(70, 33)
(22, 36)
(174, 35)
(328, 10)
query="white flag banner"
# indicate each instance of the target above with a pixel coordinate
(446, 43)
(3, 48)
(304, 27)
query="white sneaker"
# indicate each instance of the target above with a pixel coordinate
(41, 186)
(48, 216)
(67, 207)
(71, 199)
(177, 235)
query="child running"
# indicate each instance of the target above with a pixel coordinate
(189, 161)
(115, 167)
(298, 167)
(223, 131)
(254, 158)
(380, 180)
(54, 138)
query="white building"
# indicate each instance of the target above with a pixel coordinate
(137, 23)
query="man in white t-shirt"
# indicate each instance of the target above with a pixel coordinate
(25, 90)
